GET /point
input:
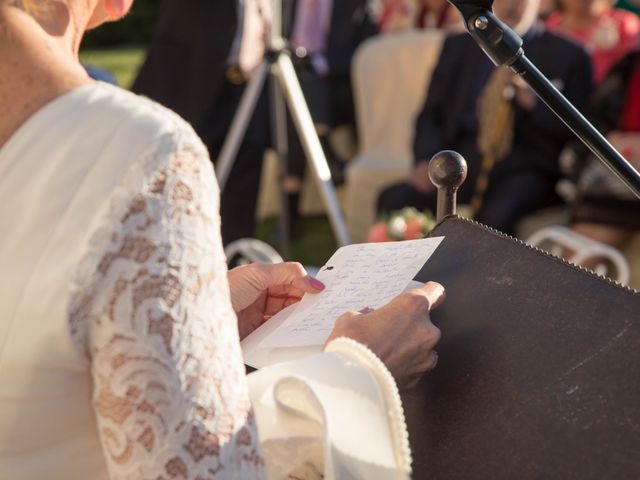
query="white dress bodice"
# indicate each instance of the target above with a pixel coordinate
(119, 349)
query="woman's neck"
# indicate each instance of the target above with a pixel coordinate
(35, 69)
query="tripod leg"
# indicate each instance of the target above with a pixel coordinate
(240, 124)
(279, 134)
(313, 149)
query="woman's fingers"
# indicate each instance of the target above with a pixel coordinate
(401, 333)
(274, 304)
(437, 294)
(293, 275)
(433, 292)
(290, 279)
(286, 291)
(411, 375)
(432, 362)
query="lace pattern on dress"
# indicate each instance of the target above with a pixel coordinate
(150, 310)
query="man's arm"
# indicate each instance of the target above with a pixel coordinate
(575, 85)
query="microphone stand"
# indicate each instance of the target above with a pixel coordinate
(504, 47)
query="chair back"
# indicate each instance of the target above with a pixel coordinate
(391, 75)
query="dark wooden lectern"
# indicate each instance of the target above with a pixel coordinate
(539, 372)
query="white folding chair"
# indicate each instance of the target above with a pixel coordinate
(558, 240)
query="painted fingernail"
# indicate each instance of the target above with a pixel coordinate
(315, 283)
(366, 310)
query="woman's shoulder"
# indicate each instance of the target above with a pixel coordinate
(143, 120)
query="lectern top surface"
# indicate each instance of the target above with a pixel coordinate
(539, 372)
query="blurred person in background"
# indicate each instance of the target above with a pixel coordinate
(324, 36)
(605, 209)
(510, 139)
(191, 67)
(398, 15)
(119, 322)
(607, 33)
(547, 7)
(186, 60)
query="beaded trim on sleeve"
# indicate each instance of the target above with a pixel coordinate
(366, 357)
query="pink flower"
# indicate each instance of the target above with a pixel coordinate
(378, 233)
(414, 229)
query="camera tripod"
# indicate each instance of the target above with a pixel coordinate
(284, 91)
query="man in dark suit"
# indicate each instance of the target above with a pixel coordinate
(524, 180)
(186, 70)
(186, 60)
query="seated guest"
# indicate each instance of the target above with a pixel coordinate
(191, 68)
(510, 139)
(397, 15)
(606, 32)
(606, 210)
(438, 14)
(119, 323)
(547, 7)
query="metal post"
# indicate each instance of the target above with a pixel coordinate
(447, 171)
(311, 144)
(240, 123)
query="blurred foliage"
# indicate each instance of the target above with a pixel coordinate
(123, 63)
(135, 29)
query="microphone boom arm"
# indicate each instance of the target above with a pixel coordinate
(504, 47)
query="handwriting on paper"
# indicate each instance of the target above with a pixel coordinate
(357, 277)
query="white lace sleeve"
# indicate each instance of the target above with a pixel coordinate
(156, 323)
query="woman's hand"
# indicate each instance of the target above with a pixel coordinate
(260, 291)
(400, 333)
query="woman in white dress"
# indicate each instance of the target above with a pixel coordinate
(119, 323)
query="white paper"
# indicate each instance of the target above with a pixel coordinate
(356, 277)
(259, 356)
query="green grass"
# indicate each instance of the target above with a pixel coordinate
(312, 246)
(123, 63)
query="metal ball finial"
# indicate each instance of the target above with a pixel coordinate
(447, 171)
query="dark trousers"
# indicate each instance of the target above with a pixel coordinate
(519, 194)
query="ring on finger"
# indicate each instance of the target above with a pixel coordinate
(434, 362)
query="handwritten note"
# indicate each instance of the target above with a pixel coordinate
(357, 277)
